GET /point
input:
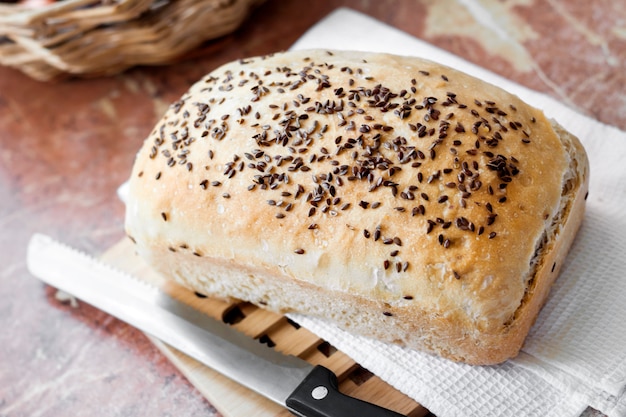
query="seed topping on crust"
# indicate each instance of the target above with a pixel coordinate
(316, 131)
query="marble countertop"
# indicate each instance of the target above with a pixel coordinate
(66, 146)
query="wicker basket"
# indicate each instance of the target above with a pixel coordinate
(100, 37)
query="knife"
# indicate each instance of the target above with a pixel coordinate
(305, 390)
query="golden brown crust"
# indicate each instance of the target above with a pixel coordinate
(393, 195)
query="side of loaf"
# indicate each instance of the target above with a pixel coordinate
(393, 196)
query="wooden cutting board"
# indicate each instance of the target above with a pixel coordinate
(275, 330)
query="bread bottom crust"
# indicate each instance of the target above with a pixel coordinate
(407, 325)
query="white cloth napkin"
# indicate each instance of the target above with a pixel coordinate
(575, 355)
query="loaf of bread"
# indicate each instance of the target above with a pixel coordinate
(395, 197)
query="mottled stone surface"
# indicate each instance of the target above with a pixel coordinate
(65, 147)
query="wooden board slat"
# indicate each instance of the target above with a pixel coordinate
(230, 398)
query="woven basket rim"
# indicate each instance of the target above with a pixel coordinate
(92, 37)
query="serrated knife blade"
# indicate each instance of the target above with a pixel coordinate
(306, 390)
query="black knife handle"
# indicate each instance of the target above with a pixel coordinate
(318, 396)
